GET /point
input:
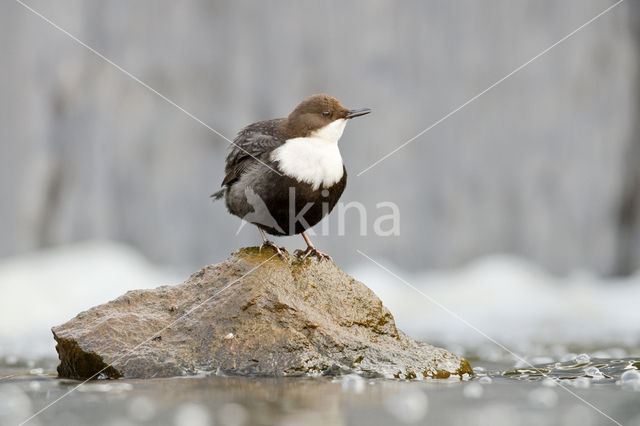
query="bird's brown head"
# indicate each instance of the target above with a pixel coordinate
(318, 111)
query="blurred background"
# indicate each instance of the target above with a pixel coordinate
(527, 201)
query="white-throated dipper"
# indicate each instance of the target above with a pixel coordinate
(285, 175)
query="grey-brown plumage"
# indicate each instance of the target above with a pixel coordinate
(285, 175)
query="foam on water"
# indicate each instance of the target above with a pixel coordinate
(54, 285)
(514, 303)
(507, 299)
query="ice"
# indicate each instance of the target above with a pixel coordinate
(594, 372)
(485, 380)
(191, 414)
(630, 380)
(543, 397)
(473, 390)
(36, 371)
(630, 376)
(583, 359)
(409, 406)
(353, 383)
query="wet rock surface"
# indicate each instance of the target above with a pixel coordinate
(249, 315)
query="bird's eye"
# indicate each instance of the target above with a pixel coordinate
(326, 113)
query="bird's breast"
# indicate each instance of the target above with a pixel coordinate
(313, 160)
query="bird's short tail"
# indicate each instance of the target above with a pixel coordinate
(218, 195)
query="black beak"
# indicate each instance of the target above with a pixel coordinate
(358, 112)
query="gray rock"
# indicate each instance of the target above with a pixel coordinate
(280, 318)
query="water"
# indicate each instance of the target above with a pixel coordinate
(543, 349)
(500, 394)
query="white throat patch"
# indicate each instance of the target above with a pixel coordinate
(315, 159)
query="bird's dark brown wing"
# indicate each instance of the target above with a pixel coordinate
(252, 145)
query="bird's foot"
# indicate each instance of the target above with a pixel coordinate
(280, 250)
(311, 251)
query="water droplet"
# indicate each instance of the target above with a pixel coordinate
(34, 385)
(544, 397)
(353, 383)
(473, 390)
(549, 382)
(485, 380)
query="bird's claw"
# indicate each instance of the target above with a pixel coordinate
(311, 251)
(280, 250)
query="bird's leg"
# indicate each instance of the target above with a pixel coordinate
(310, 250)
(267, 243)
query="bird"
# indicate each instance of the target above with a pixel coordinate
(284, 175)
